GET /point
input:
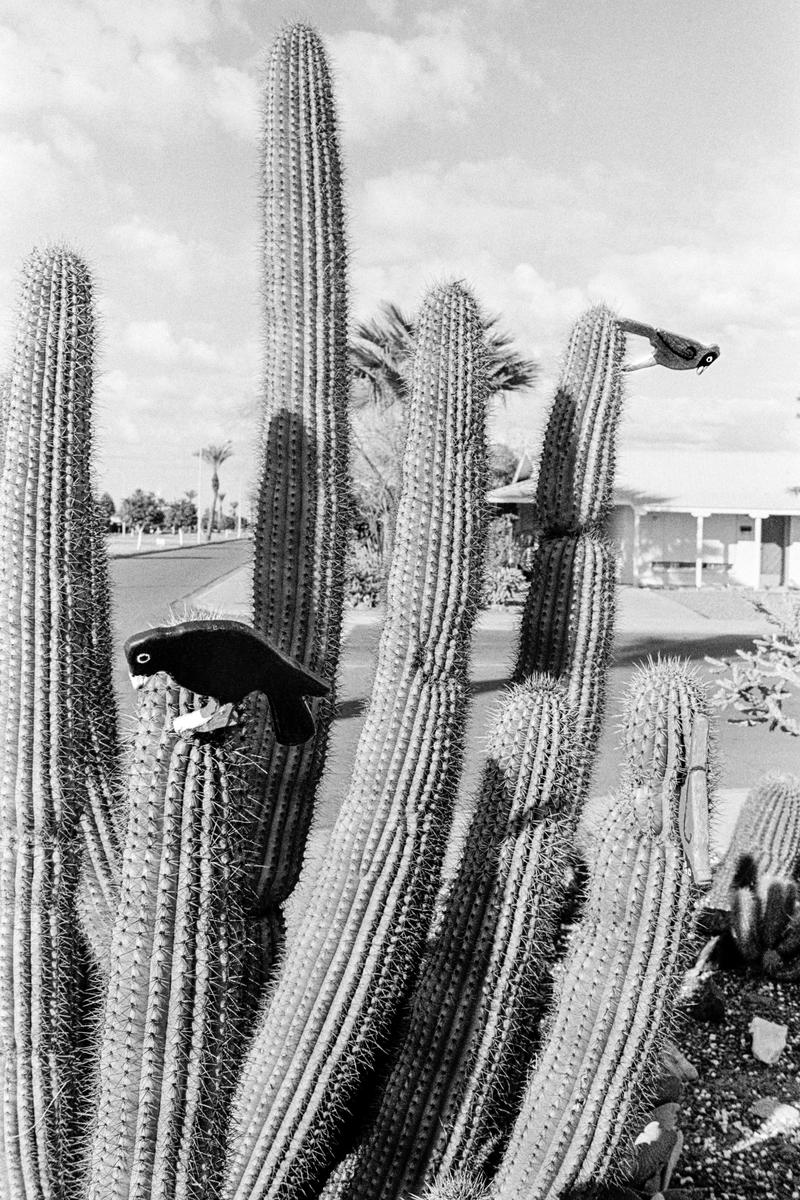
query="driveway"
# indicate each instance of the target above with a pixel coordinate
(649, 623)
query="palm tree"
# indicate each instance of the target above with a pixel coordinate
(382, 348)
(216, 455)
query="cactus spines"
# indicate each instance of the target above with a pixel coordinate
(577, 462)
(304, 492)
(168, 1034)
(472, 1007)
(767, 829)
(568, 620)
(360, 941)
(57, 716)
(620, 977)
(765, 917)
(567, 630)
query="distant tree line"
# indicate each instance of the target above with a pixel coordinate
(151, 513)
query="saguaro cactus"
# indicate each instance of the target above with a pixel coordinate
(304, 491)
(463, 1055)
(171, 1028)
(624, 965)
(426, 1016)
(350, 963)
(57, 719)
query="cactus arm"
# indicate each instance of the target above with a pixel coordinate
(57, 718)
(167, 1047)
(453, 1081)
(362, 935)
(619, 980)
(303, 500)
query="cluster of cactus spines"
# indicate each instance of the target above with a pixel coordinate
(767, 829)
(57, 717)
(304, 493)
(169, 1034)
(765, 917)
(620, 977)
(350, 963)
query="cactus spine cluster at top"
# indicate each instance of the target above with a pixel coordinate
(427, 1015)
(304, 491)
(57, 720)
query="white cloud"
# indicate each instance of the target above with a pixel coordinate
(234, 102)
(152, 339)
(138, 71)
(70, 141)
(155, 249)
(382, 81)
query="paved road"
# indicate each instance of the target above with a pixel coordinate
(145, 590)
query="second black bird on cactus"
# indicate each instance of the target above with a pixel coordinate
(227, 660)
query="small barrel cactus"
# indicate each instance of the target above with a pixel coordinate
(767, 830)
(765, 918)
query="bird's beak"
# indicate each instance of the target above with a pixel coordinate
(137, 681)
(702, 368)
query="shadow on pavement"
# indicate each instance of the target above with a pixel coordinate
(626, 652)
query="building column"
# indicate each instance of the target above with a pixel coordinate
(698, 548)
(635, 561)
(757, 518)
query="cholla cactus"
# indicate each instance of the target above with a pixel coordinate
(428, 1014)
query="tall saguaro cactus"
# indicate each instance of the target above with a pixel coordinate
(348, 967)
(304, 491)
(57, 719)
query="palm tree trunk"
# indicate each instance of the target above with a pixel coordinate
(212, 514)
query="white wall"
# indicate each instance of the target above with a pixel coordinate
(793, 554)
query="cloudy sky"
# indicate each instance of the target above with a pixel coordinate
(550, 153)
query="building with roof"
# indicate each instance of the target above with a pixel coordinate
(696, 518)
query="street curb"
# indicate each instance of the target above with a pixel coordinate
(185, 546)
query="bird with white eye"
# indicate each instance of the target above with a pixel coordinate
(671, 350)
(227, 660)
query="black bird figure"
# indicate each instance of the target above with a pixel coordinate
(227, 660)
(670, 349)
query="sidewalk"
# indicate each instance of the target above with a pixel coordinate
(127, 545)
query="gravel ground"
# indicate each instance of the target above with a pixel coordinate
(728, 1147)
